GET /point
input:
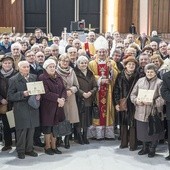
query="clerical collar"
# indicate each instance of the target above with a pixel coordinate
(102, 61)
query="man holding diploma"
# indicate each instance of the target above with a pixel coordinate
(26, 117)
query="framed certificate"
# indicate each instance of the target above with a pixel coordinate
(146, 95)
(35, 88)
(10, 117)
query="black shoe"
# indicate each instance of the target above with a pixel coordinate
(167, 158)
(59, 141)
(151, 154)
(39, 144)
(49, 151)
(86, 141)
(66, 142)
(143, 152)
(5, 148)
(80, 139)
(21, 155)
(122, 147)
(132, 149)
(56, 151)
(32, 153)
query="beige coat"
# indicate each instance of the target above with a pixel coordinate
(70, 106)
(142, 112)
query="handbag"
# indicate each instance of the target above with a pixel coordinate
(123, 101)
(33, 102)
(155, 125)
(3, 108)
(62, 129)
(123, 104)
(95, 111)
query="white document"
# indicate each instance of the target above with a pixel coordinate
(35, 88)
(10, 117)
(146, 95)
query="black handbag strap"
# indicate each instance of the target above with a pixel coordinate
(131, 88)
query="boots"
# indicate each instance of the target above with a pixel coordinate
(151, 153)
(168, 157)
(132, 139)
(124, 137)
(80, 139)
(59, 141)
(85, 137)
(66, 142)
(145, 149)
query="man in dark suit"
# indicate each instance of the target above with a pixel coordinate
(26, 117)
(165, 92)
(36, 69)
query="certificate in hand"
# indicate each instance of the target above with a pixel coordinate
(35, 88)
(146, 95)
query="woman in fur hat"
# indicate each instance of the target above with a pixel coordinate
(123, 86)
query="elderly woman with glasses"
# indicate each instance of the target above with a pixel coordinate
(85, 95)
(159, 63)
(144, 109)
(71, 84)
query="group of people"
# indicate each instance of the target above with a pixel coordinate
(76, 75)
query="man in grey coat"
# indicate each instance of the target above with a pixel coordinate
(26, 117)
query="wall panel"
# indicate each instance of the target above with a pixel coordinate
(12, 14)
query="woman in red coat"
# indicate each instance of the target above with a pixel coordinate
(52, 102)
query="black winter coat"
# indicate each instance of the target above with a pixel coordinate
(4, 87)
(165, 92)
(121, 90)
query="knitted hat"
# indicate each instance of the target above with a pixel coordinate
(48, 62)
(6, 56)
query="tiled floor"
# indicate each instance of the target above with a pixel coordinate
(99, 155)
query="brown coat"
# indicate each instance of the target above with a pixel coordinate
(87, 83)
(50, 113)
(142, 112)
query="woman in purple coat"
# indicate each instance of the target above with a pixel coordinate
(52, 102)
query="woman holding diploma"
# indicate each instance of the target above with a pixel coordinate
(144, 107)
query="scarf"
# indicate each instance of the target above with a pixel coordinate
(63, 72)
(128, 74)
(8, 73)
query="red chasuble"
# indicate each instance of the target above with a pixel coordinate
(103, 71)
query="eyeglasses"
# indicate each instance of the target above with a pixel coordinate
(55, 50)
(163, 46)
(73, 52)
(30, 55)
(65, 61)
(83, 63)
(40, 56)
(102, 51)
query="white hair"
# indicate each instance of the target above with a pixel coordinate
(81, 59)
(16, 45)
(21, 63)
(35, 46)
(154, 33)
